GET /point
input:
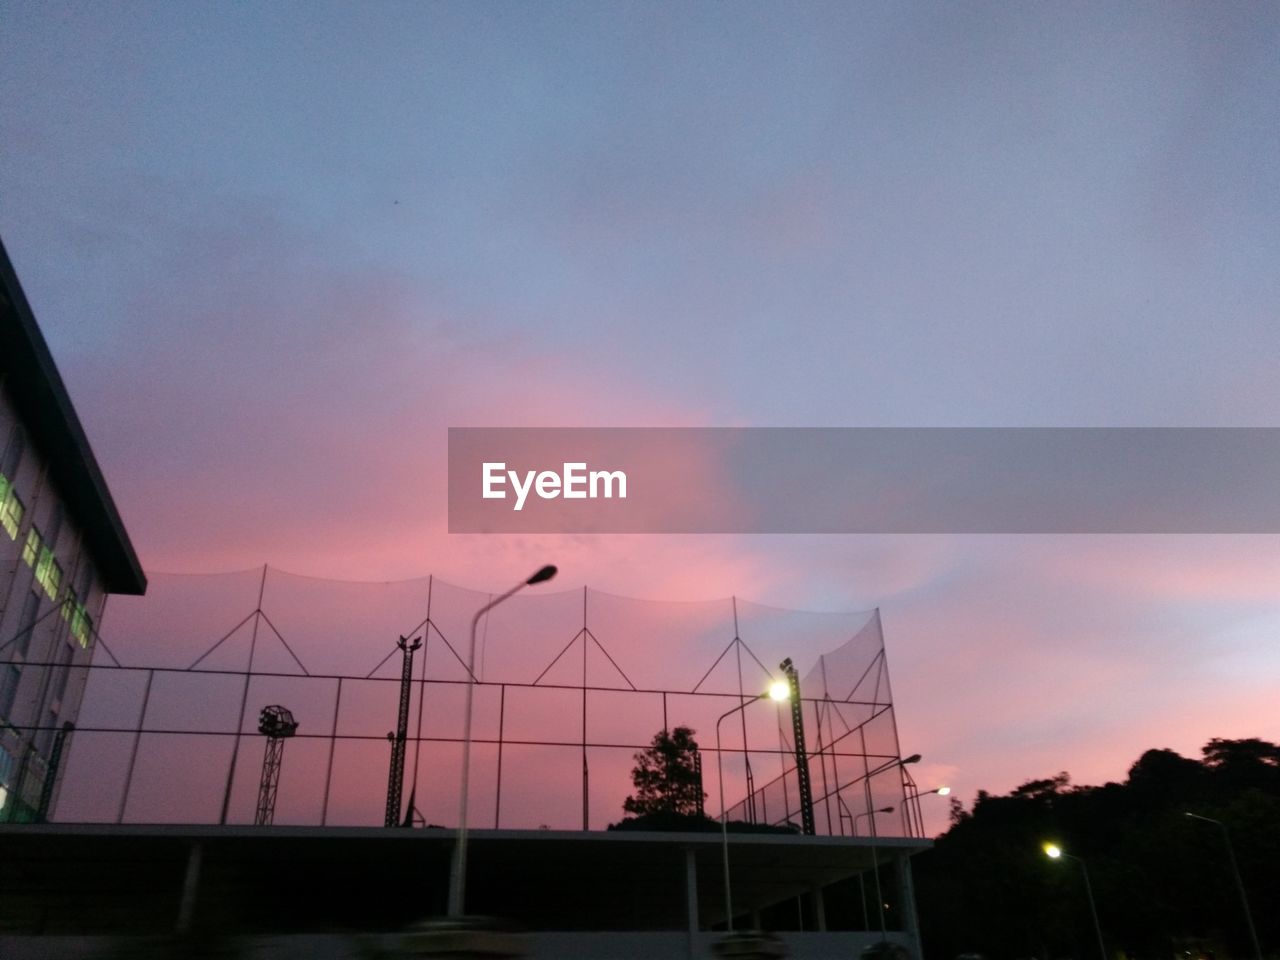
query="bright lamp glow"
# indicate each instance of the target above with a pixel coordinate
(943, 791)
(1052, 851)
(779, 690)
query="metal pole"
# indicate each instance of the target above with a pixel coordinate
(1235, 869)
(502, 718)
(691, 899)
(724, 813)
(458, 865)
(1093, 907)
(586, 775)
(333, 740)
(137, 738)
(190, 881)
(724, 834)
(875, 860)
(244, 700)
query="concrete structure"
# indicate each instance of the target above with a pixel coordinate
(62, 550)
(75, 890)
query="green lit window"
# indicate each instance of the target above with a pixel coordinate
(81, 622)
(11, 509)
(49, 573)
(31, 551)
(77, 616)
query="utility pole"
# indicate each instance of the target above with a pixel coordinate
(802, 754)
(395, 780)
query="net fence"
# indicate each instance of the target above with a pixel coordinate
(568, 687)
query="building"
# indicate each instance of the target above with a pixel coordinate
(63, 549)
(79, 890)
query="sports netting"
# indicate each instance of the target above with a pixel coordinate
(569, 686)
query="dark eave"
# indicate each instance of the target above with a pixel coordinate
(37, 391)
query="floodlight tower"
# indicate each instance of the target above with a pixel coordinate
(395, 780)
(276, 723)
(802, 754)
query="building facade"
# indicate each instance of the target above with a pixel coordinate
(63, 549)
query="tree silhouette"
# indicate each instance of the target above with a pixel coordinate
(1162, 881)
(667, 777)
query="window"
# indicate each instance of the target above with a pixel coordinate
(65, 655)
(31, 550)
(10, 676)
(30, 607)
(43, 739)
(49, 573)
(10, 506)
(75, 613)
(11, 509)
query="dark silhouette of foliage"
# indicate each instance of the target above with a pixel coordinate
(667, 822)
(666, 776)
(1161, 880)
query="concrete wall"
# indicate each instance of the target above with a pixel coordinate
(542, 946)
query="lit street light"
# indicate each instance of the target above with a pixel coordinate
(1231, 854)
(1055, 852)
(458, 868)
(778, 691)
(915, 818)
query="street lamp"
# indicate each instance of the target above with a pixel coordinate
(458, 867)
(914, 793)
(778, 691)
(1055, 852)
(901, 763)
(1231, 854)
(870, 813)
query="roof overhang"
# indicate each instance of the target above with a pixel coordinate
(32, 381)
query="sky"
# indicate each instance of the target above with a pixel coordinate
(278, 249)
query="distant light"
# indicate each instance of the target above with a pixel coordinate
(1052, 851)
(914, 758)
(779, 690)
(943, 791)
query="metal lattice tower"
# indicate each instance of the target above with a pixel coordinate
(276, 723)
(395, 780)
(802, 754)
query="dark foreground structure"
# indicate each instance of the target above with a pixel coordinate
(86, 890)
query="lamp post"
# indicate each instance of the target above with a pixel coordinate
(914, 794)
(778, 691)
(1235, 869)
(1054, 852)
(869, 813)
(458, 866)
(875, 859)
